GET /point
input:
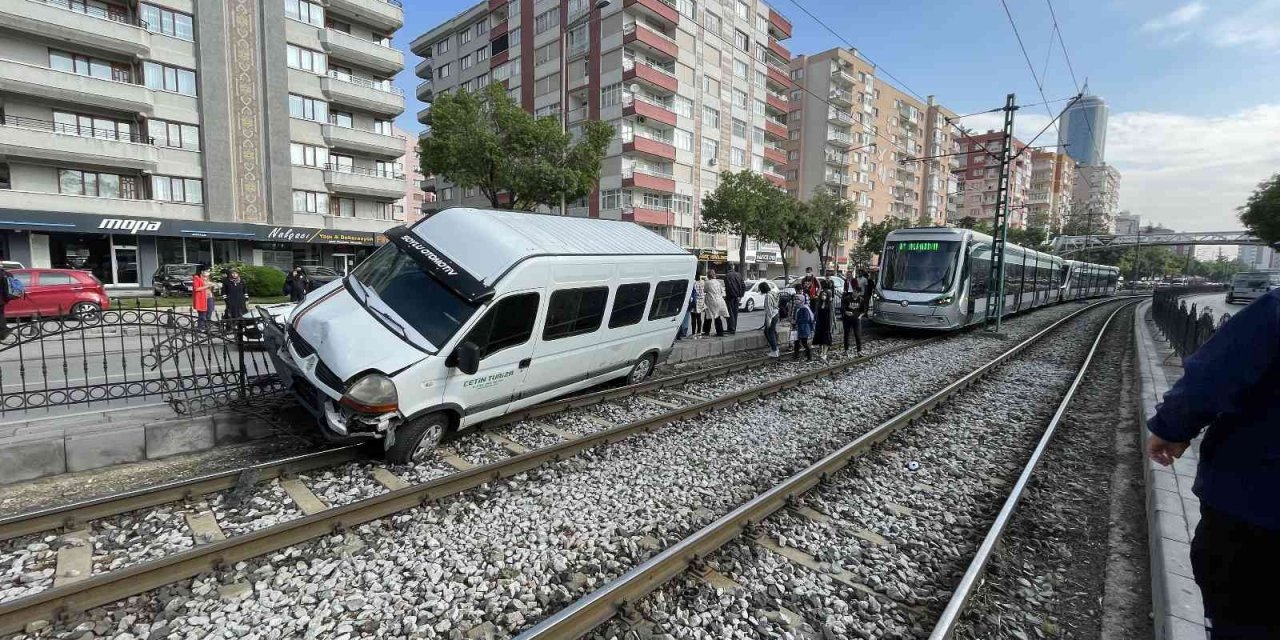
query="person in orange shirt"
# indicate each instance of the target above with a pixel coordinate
(202, 296)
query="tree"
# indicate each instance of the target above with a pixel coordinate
(788, 226)
(874, 234)
(830, 216)
(485, 140)
(924, 221)
(1261, 213)
(742, 204)
(967, 222)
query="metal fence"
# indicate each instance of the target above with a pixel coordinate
(1185, 326)
(130, 355)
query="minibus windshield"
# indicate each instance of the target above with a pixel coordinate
(919, 266)
(428, 307)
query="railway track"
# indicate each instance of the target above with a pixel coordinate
(622, 602)
(213, 549)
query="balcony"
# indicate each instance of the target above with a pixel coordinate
(840, 76)
(837, 139)
(642, 179)
(779, 77)
(44, 141)
(641, 108)
(382, 98)
(839, 117)
(366, 142)
(386, 15)
(423, 68)
(425, 91)
(364, 53)
(93, 205)
(776, 155)
(837, 179)
(776, 128)
(654, 77)
(61, 86)
(777, 102)
(650, 147)
(841, 97)
(838, 159)
(779, 27)
(650, 41)
(646, 215)
(778, 49)
(364, 182)
(777, 179)
(657, 9)
(91, 27)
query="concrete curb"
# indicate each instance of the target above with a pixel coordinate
(1173, 511)
(689, 349)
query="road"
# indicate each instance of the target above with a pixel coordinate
(1216, 303)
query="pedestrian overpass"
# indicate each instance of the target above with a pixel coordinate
(1063, 245)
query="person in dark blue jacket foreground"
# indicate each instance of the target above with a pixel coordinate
(1232, 386)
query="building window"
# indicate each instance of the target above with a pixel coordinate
(308, 109)
(757, 135)
(442, 46)
(546, 85)
(611, 95)
(305, 155)
(342, 207)
(308, 12)
(470, 192)
(442, 71)
(384, 127)
(92, 126)
(682, 204)
(740, 98)
(739, 129)
(682, 106)
(737, 157)
(513, 37)
(482, 54)
(682, 140)
(710, 149)
(446, 193)
(172, 189)
(464, 36)
(711, 22)
(740, 40)
(545, 20)
(711, 86)
(740, 69)
(74, 182)
(464, 62)
(163, 77)
(710, 117)
(342, 119)
(307, 60)
(315, 202)
(92, 67)
(160, 20)
(174, 134)
(546, 53)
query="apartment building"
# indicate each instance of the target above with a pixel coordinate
(978, 178)
(1096, 197)
(867, 141)
(1052, 181)
(692, 88)
(1127, 224)
(415, 199)
(134, 134)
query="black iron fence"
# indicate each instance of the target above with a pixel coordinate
(131, 355)
(1185, 326)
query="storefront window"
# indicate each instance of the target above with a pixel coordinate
(171, 251)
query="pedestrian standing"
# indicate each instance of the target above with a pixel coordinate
(716, 311)
(700, 305)
(237, 295)
(851, 312)
(770, 316)
(297, 285)
(801, 325)
(7, 293)
(1230, 386)
(824, 318)
(734, 287)
(868, 287)
(202, 296)
(810, 283)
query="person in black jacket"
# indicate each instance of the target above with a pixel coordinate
(851, 312)
(237, 293)
(733, 289)
(297, 284)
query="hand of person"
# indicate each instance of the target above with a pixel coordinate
(1164, 452)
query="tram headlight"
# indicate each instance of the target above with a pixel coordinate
(943, 301)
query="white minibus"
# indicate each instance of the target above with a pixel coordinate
(469, 314)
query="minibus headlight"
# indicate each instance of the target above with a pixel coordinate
(373, 393)
(942, 301)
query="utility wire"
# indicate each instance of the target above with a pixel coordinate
(1065, 56)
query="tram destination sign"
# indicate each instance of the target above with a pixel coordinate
(919, 247)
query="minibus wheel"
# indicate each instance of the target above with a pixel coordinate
(416, 440)
(640, 370)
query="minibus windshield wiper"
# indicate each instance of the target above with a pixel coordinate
(395, 324)
(364, 291)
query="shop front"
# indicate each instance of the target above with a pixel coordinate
(124, 252)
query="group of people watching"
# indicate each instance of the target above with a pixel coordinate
(236, 293)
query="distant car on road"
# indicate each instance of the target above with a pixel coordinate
(752, 299)
(9, 265)
(1247, 286)
(58, 293)
(320, 276)
(173, 279)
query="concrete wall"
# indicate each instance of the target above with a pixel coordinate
(215, 136)
(27, 49)
(275, 95)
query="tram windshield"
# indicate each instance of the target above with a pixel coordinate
(919, 266)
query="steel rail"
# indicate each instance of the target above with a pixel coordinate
(599, 606)
(63, 601)
(973, 575)
(71, 515)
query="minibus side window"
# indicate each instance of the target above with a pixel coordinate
(668, 299)
(628, 304)
(509, 323)
(574, 312)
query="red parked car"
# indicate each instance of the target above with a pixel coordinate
(57, 292)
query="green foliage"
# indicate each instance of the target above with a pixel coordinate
(1261, 213)
(967, 222)
(873, 234)
(829, 216)
(262, 282)
(786, 225)
(485, 140)
(743, 204)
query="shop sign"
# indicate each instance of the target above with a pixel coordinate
(56, 221)
(766, 256)
(711, 255)
(130, 225)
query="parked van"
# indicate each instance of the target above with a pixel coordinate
(470, 314)
(1248, 286)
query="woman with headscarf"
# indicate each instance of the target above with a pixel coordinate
(236, 293)
(824, 318)
(717, 311)
(801, 325)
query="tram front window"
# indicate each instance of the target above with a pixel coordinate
(919, 266)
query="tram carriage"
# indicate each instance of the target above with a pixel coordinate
(937, 278)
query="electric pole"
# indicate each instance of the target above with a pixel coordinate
(999, 224)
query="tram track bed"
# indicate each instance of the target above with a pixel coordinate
(594, 514)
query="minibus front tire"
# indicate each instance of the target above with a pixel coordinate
(642, 369)
(415, 440)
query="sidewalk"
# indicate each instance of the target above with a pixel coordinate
(691, 348)
(1172, 510)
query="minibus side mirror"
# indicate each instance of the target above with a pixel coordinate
(467, 357)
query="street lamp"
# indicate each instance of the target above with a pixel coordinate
(564, 80)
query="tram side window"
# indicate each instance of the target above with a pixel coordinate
(980, 272)
(1013, 277)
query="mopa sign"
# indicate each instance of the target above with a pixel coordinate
(133, 226)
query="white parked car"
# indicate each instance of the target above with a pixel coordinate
(470, 314)
(752, 299)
